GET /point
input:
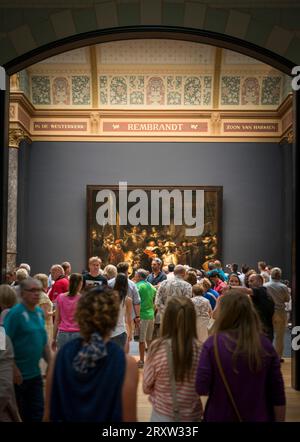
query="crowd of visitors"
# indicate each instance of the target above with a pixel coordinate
(216, 334)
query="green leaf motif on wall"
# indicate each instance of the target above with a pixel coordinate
(118, 90)
(271, 90)
(207, 91)
(81, 90)
(174, 98)
(103, 90)
(192, 91)
(40, 89)
(136, 97)
(230, 90)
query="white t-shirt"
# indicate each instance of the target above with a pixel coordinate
(120, 327)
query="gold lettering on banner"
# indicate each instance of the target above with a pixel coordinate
(250, 127)
(43, 125)
(156, 126)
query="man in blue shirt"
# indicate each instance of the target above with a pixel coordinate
(157, 275)
(25, 325)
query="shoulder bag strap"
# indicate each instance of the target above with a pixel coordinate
(173, 382)
(222, 374)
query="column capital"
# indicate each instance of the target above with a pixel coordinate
(290, 136)
(16, 135)
(15, 82)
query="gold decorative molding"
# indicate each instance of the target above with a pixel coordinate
(217, 77)
(15, 82)
(94, 76)
(216, 123)
(131, 124)
(16, 135)
(290, 136)
(95, 122)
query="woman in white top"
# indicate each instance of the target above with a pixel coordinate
(121, 335)
(203, 312)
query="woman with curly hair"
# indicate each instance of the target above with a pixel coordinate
(92, 380)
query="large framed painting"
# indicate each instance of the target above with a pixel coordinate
(179, 224)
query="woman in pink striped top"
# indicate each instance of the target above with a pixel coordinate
(179, 332)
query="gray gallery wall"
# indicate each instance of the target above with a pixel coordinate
(52, 193)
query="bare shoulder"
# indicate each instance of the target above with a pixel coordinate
(128, 301)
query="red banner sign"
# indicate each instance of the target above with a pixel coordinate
(154, 126)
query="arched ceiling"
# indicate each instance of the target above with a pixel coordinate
(270, 24)
(153, 74)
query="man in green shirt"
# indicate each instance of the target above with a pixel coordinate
(147, 294)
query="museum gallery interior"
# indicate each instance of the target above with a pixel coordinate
(180, 97)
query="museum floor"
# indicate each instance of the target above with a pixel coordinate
(293, 397)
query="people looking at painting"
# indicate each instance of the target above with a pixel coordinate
(65, 327)
(177, 287)
(170, 369)
(122, 333)
(280, 295)
(139, 307)
(147, 294)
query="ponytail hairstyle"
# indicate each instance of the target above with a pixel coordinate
(121, 286)
(75, 284)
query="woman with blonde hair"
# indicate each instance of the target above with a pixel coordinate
(46, 305)
(170, 368)
(110, 271)
(92, 379)
(239, 369)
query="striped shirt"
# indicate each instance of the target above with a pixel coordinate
(157, 384)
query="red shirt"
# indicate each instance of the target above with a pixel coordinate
(61, 285)
(219, 286)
